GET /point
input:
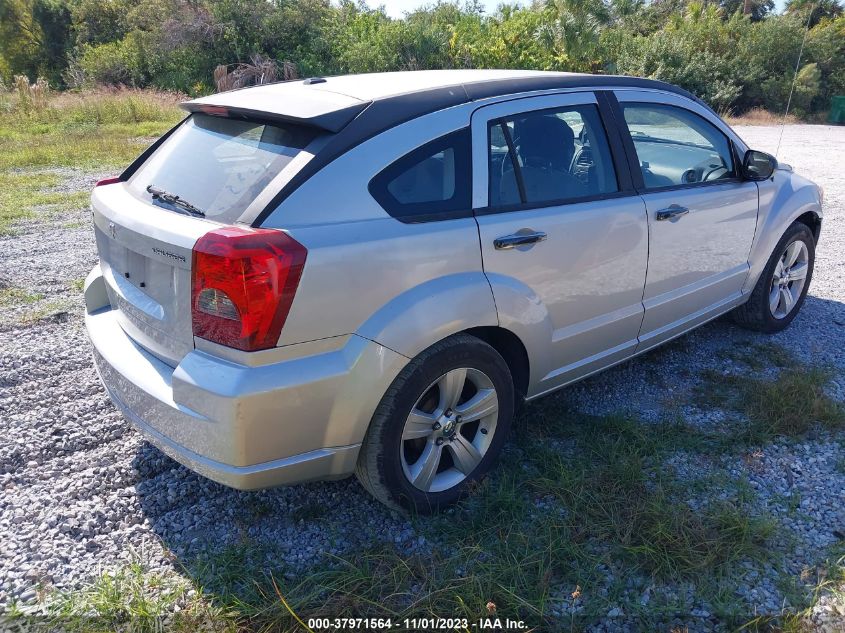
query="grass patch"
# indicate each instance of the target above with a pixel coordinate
(13, 296)
(25, 195)
(39, 309)
(103, 129)
(132, 599)
(806, 591)
(98, 106)
(760, 116)
(759, 356)
(93, 130)
(309, 511)
(618, 491)
(55, 309)
(791, 405)
(86, 147)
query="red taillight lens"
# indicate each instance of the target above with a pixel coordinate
(243, 285)
(107, 181)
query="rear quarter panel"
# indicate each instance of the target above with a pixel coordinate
(405, 286)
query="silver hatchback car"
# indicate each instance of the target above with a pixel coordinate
(367, 274)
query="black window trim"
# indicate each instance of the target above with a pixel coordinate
(633, 158)
(618, 154)
(461, 141)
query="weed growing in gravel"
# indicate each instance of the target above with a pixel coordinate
(56, 309)
(133, 599)
(827, 579)
(758, 356)
(309, 512)
(18, 296)
(616, 489)
(790, 405)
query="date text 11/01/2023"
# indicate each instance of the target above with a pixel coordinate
(416, 624)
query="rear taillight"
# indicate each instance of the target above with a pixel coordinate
(243, 285)
(108, 181)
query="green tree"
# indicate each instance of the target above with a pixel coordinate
(573, 29)
(758, 9)
(35, 37)
(821, 9)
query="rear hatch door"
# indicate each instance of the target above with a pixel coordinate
(145, 257)
(203, 176)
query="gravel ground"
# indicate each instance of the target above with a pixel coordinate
(81, 491)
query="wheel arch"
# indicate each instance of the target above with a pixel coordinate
(784, 200)
(814, 221)
(512, 349)
(431, 312)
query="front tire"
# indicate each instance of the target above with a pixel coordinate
(440, 427)
(783, 284)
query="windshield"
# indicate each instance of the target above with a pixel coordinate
(668, 124)
(218, 165)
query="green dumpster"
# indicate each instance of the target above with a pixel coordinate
(837, 110)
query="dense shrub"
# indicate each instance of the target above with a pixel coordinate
(735, 62)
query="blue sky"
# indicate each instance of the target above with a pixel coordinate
(397, 8)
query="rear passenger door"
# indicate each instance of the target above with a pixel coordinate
(701, 215)
(564, 237)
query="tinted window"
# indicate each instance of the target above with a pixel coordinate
(220, 165)
(677, 147)
(558, 155)
(432, 182)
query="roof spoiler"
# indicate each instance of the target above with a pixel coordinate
(332, 121)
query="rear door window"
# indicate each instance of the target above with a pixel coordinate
(220, 165)
(549, 156)
(433, 182)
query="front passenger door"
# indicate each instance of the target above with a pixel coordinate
(701, 215)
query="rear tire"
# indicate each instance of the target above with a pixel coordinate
(783, 284)
(440, 426)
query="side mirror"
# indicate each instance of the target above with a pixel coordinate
(758, 165)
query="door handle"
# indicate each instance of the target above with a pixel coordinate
(671, 212)
(518, 239)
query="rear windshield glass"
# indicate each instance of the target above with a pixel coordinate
(218, 165)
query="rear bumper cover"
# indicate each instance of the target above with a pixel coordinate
(253, 426)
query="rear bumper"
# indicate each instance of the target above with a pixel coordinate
(247, 426)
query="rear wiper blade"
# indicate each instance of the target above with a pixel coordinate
(172, 198)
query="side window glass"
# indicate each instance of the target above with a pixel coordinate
(677, 147)
(504, 189)
(430, 183)
(547, 156)
(430, 180)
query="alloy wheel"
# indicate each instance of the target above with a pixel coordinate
(788, 279)
(449, 429)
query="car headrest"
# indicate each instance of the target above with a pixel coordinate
(544, 140)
